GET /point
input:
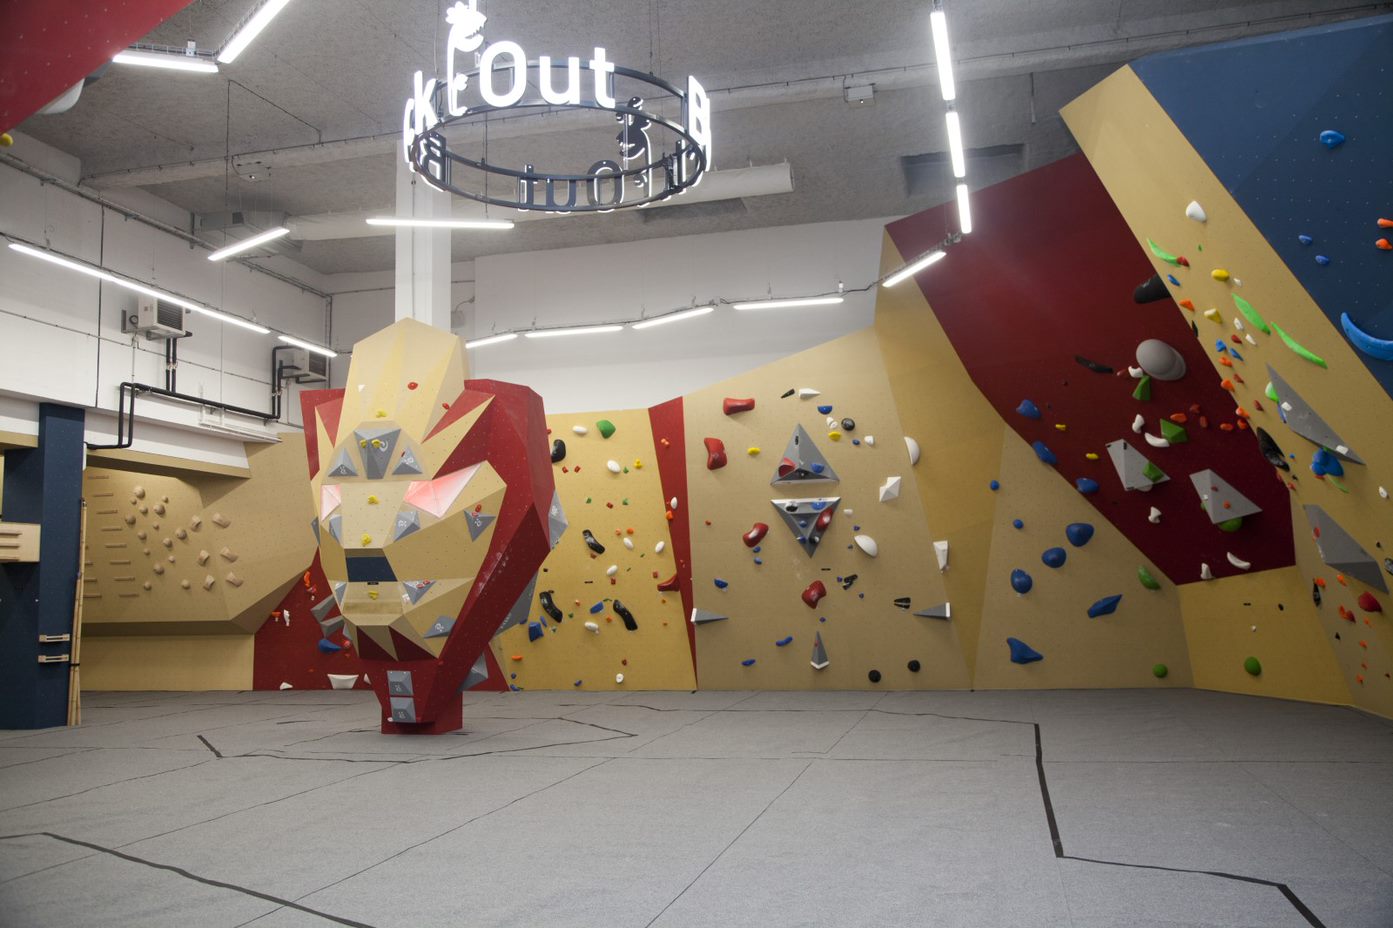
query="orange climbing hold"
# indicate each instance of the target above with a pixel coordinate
(1188, 305)
(517, 657)
(1241, 413)
(1383, 245)
(1226, 362)
(1320, 582)
(1226, 384)
(1179, 418)
(1226, 427)
(1346, 614)
(1385, 223)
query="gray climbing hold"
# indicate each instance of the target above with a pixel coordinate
(556, 520)
(802, 462)
(478, 523)
(408, 465)
(807, 519)
(1133, 468)
(1160, 360)
(376, 446)
(414, 590)
(1304, 421)
(477, 674)
(321, 609)
(1341, 552)
(522, 608)
(1220, 500)
(939, 611)
(703, 616)
(819, 653)
(343, 465)
(408, 521)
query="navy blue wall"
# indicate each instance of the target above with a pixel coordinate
(1254, 110)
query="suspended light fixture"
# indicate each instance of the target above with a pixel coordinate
(964, 210)
(792, 303)
(250, 29)
(169, 62)
(309, 346)
(491, 340)
(408, 221)
(938, 24)
(673, 317)
(575, 330)
(247, 244)
(914, 267)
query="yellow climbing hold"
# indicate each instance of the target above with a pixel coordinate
(372, 500)
(1213, 316)
(372, 594)
(1219, 274)
(638, 465)
(752, 451)
(1061, 426)
(363, 443)
(835, 436)
(382, 414)
(367, 540)
(377, 443)
(1092, 455)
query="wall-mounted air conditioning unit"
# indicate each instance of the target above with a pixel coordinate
(304, 366)
(157, 319)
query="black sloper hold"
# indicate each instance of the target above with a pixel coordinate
(913, 666)
(787, 393)
(848, 424)
(1094, 366)
(623, 612)
(558, 451)
(1315, 592)
(591, 543)
(1270, 449)
(902, 602)
(873, 676)
(1150, 291)
(549, 606)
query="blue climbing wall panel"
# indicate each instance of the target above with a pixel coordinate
(1254, 110)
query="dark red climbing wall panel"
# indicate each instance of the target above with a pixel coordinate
(1047, 275)
(670, 447)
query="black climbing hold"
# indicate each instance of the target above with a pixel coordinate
(902, 602)
(848, 425)
(548, 606)
(622, 611)
(1315, 592)
(1094, 366)
(873, 676)
(558, 451)
(787, 393)
(1150, 291)
(913, 666)
(1194, 329)
(1270, 449)
(591, 543)
(848, 580)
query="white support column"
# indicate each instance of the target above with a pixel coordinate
(423, 255)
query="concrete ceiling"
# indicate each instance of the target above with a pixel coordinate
(313, 107)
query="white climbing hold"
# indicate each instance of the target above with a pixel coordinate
(614, 467)
(629, 543)
(342, 681)
(672, 504)
(832, 423)
(1238, 324)
(1196, 212)
(870, 440)
(660, 547)
(286, 686)
(867, 544)
(941, 552)
(1205, 572)
(913, 447)
(890, 489)
(611, 570)
(1383, 493)
(1154, 517)
(1238, 562)
(1250, 339)
(580, 430)
(807, 393)
(619, 678)
(1138, 424)
(1156, 441)
(592, 628)
(1136, 372)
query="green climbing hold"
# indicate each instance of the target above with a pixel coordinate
(1251, 314)
(1153, 473)
(1253, 666)
(1150, 582)
(1160, 671)
(1230, 525)
(1301, 350)
(606, 428)
(1161, 253)
(1336, 483)
(1173, 432)
(1271, 393)
(1143, 390)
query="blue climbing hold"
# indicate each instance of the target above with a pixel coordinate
(1054, 557)
(1221, 346)
(1021, 582)
(783, 641)
(1236, 355)
(534, 631)
(597, 608)
(1028, 409)
(1322, 260)
(824, 409)
(748, 662)
(328, 647)
(1323, 463)
(1105, 606)
(721, 584)
(1022, 653)
(1078, 533)
(577, 683)
(759, 560)
(1171, 278)
(1043, 452)
(856, 441)
(1017, 524)
(1305, 239)
(995, 485)
(1332, 138)
(817, 467)
(1086, 485)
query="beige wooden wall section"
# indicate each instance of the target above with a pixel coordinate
(763, 601)
(1152, 173)
(656, 656)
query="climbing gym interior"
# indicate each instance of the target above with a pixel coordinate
(679, 464)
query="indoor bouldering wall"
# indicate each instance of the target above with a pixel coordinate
(1316, 411)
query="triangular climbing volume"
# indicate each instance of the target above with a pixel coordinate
(807, 519)
(802, 462)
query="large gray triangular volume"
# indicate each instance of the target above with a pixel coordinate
(321, 609)
(940, 611)
(407, 465)
(1221, 501)
(407, 521)
(414, 590)
(802, 462)
(477, 674)
(377, 446)
(1133, 468)
(807, 519)
(478, 522)
(1341, 552)
(1305, 421)
(521, 609)
(702, 616)
(819, 660)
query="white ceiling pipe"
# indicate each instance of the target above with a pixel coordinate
(733, 184)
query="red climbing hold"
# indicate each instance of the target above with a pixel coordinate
(1182, 261)
(731, 405)
(1188, 305)
(1346, 614)
(755, 535)
(715, 453)
(669, 585)
(1368, 603)
(786, 467)
(813, 593)
(412, 385)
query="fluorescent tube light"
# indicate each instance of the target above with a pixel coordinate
(938, 23)
(92, 271)
(964, 210)
(247, 244)
(576, 330)
(790, 303)
(914, 267)
(673, 317)
(491, 340)
(955, 145)
(250, 30)
(171, 62)
(440, 223)
(308, 346)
